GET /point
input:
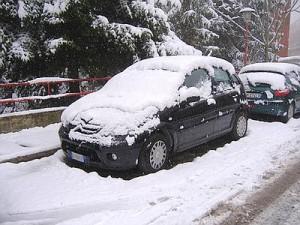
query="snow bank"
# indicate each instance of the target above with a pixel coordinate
(29, 141)
(275, 80)
(33, 111)
(135, 96)
(271, 67)
(47, 191)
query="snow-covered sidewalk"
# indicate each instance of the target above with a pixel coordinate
(47, 191)
(29, 141)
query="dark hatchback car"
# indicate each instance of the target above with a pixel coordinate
(272, 89)
(153, 109)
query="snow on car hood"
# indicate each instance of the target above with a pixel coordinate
(131, 92)
(275, 80)
(127, 104)
(104, 125)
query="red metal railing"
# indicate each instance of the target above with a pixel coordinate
(47, 85)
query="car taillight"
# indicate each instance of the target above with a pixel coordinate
(282, 93)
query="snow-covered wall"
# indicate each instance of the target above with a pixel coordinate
(12, 122)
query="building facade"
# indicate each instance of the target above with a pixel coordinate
(294, 39)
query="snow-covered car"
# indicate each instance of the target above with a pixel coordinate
(272, 88)
(153, 109)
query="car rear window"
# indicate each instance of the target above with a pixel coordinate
(273, 80)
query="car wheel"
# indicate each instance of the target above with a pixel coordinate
(289, 114)
(240, 126)
(154, 154)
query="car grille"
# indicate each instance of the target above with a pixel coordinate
(82, 149)
(88, 130)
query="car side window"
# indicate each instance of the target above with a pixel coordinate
(196, 79)
(221, 80)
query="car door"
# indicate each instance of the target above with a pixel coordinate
(227, 99)
(195, 118)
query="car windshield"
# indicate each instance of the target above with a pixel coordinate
(152, 82)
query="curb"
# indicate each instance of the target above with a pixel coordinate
(31, 157)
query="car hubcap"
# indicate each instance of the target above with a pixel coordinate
(241, 126)
(158, 154)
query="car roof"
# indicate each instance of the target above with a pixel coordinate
(276, 67)
(184, 64)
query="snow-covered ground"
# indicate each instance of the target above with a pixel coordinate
(29, 141)
(47, 191)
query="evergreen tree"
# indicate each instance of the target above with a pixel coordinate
(104, 37)
(9, 24)
(207, 26)
(82, 37)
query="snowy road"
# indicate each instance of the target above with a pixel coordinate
(284, 211)
(47, 191)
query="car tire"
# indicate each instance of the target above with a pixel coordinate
(240, 126)
(290, 113)
(155, 154)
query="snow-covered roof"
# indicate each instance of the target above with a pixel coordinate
(183, 64)
(290, 59)
(271, 67)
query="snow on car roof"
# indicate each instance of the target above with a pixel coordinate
(184, 64)
(271, 67)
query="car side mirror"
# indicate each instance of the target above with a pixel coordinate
(193, 99)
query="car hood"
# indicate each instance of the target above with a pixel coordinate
(105, 126)
(132, 92)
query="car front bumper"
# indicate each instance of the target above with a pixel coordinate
(98, 156)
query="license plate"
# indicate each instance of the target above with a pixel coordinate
(77, 157)
(253, 95)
